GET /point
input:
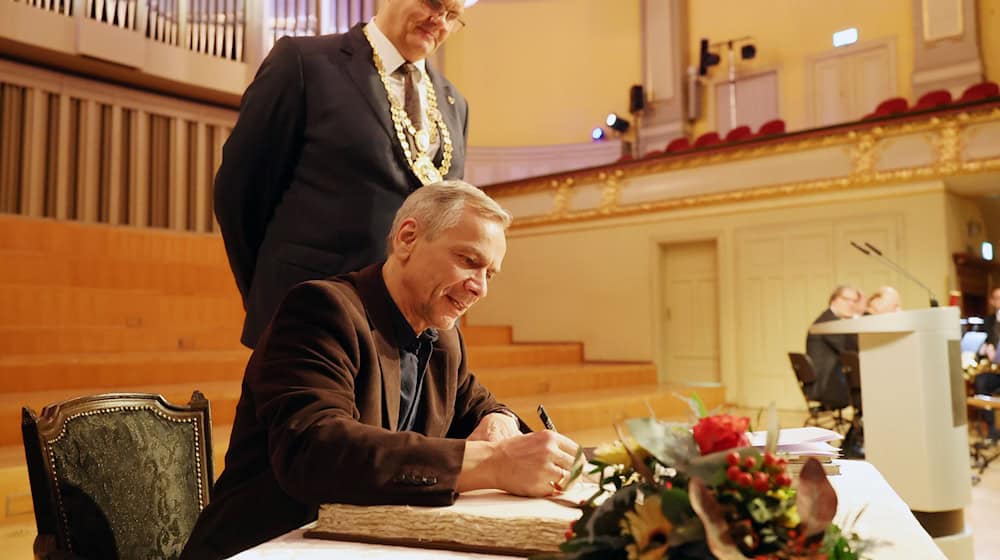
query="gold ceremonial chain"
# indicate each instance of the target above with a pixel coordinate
(418, 159)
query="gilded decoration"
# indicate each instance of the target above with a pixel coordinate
(944, 130)
(609, 191)
(563, 190)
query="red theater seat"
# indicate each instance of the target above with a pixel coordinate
(707, 139)
(888, 107)
(739, 133)
(932, 100)
(777, 126)
(678, 145)
(977, 92)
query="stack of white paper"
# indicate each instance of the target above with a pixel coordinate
(809, 441)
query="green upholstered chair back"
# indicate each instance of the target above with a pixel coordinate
(120, 475)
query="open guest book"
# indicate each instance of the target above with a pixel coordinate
(486, 521)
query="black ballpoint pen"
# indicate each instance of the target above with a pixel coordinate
(546, 421)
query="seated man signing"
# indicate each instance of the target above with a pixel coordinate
(358, 391)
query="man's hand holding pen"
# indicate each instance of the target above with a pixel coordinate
(533, 464)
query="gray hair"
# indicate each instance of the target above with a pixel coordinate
(439, 206)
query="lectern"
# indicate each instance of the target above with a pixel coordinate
(915, 419)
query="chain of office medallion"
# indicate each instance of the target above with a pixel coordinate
(402, 123)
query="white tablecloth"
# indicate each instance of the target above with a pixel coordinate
(886, 518)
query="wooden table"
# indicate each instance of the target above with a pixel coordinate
(886, 518)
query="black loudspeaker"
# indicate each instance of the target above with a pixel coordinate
(636, 99)
(706, 58)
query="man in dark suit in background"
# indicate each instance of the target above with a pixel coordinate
(358, 391)
(333, 133)
(824, 350)
(988, 383)
(831, 387)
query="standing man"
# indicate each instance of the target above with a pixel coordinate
(832, 388)
(824, 350)
(333, 133)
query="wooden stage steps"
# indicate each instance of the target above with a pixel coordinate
(88, 309)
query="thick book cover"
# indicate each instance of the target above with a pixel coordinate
(486, 521)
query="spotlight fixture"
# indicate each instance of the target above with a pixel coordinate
(617, 123)
(597, 134)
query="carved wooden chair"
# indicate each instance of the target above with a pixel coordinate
(118, 475)
(819, 414)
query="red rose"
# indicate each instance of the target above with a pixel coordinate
(721, 432)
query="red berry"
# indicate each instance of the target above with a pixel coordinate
(769, 459)
(733, 473)
(733, 459)
(783, 479)
(749, 462)
(745, 479)
(781, 462)
(761, 481)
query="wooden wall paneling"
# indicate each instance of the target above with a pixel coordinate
(36, 131)
(89, 161)
(52, 142)
(200, 158)
(73, 159)
(63, 163)
(11, 127)
(126, 164)
(104, 161)
(157, 208)
(138, 187)
(5, 142)
(219, 136)
(115, 154)
(177, 175)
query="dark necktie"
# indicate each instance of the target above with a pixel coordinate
(411, 74)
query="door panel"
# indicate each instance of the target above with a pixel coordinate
(784, 278)
(690, 314)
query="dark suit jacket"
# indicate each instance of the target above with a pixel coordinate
(312, 174)
(992, 329)
(824, 350)
(317, 418)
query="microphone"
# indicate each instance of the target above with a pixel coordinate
(872, 251)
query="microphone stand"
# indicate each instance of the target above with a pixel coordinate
(873, 252)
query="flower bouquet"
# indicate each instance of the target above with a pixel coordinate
(699, 491)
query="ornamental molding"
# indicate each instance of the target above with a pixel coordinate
(941, 143)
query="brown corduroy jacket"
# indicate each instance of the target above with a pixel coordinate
(316, 421)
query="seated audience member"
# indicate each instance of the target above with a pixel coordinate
(988, 383)
(358, 391)
(885, 300)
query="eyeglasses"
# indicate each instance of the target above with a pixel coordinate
(452, 19)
